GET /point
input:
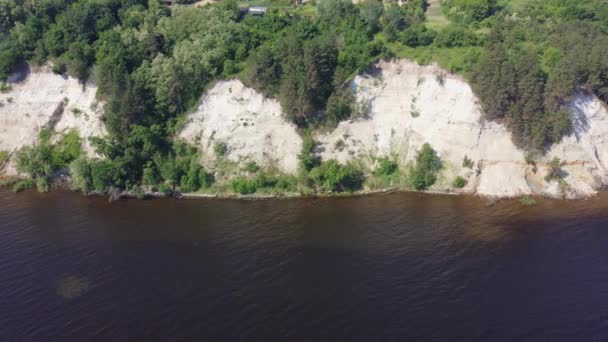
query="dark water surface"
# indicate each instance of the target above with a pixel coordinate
(400, 267)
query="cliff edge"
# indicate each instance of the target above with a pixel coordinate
(409, 105)
(37, 99)
(250, 126)
(405, 105)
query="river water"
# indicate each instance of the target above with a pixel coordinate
(399, 267)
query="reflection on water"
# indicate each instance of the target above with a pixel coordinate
(402, 266)
(72, 287)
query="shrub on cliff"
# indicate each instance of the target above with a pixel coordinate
(272, 183)
(40, 161)
(424, 172)
(36, 161)
(80, 172)
(94, 174)
(307, 158)
(220, 149)
(386, 166)
(459, 182)
(554, 171)
(244, 186)
(195, 178)
(23, 184)
(332, 176)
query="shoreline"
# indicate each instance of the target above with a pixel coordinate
(364, 193)
(115, 195)
(369, 193)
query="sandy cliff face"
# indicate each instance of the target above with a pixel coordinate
(585, 152)
(43, 99)
(411, 104)
(408, 105)
(251, 126)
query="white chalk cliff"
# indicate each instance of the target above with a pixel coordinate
(43, 99)
(408, 105)
(251, 126)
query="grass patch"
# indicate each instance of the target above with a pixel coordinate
(397, 180)
(527, 201)
(251, 167)
(4, 155)
(387, 175)
(265, 183)
(331, 176)
(456, 60)
(40, 161)
(434, 15)
(514, 6)
(220, 149)
(307, 10)
(5, 87)
(8, 181)
(270, 4)
(23, 184)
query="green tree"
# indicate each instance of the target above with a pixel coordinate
(386, 166)
(332, 176)
(470, 10)
(459, 182)
(393, 22)
(428, 164)
(417, 35)
(81, 177)
(554, 170)
(10, 54)
(191, 181)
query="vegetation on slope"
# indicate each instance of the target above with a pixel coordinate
(152, 63)
(45, 158)
(424, 172)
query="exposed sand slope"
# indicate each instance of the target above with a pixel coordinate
(412, 104)
(409, 105)
(251, 126)
(586, 150)
(44, 99)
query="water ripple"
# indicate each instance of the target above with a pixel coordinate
(395, 267)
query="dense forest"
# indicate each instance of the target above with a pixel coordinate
(151, 64)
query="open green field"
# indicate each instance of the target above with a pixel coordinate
(514, 6)
(266, 3)
(458, 60)
(434, 16)
(284, 7)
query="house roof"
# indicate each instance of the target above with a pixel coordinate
(257, 9)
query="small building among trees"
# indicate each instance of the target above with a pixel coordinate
(257, 10)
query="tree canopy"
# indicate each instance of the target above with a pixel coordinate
(151, 64)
